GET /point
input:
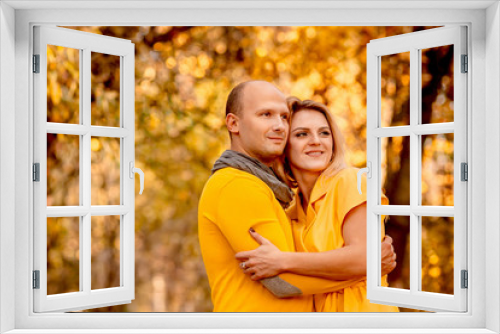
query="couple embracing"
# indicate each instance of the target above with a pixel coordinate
(266, 247)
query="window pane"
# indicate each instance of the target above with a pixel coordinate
(105, 91)
(437, 169)
(63, 169)
(395, 89)
(437, 84)
(63, 84)
(105, 170)
(437, 254)
(395, 169)
(398, 228)
(63, 255)
(105, 256)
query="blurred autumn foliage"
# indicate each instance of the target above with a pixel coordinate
(183, 76)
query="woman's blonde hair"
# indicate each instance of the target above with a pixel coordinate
(282, 167)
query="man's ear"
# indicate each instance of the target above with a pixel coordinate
(232, 123)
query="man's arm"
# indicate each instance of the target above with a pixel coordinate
(245, 204)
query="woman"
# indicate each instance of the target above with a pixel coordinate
(328, 215)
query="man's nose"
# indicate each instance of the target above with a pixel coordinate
(280, 124)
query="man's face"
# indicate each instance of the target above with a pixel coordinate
(261, 128)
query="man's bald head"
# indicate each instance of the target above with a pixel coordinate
(257, 118)
(235, 101)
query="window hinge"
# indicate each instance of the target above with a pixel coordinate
(464, 171)
(465, 63)
(36, 63)
(36, 279)
(465, 279)
(36, 172)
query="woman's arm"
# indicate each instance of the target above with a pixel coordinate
(348, 262)
(342, 263)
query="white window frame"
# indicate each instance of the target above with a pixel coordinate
(483, 21)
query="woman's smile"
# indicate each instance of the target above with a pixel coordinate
(314, 154)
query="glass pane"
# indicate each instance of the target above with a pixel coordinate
(437, 84)
(105, 258)
(105, 92)
(63, 255)
(63, 84)
(63, 169)
(105, 170)
(437, 169)
(437, 254)
(398, 228)
(395, 89)
(395, 169)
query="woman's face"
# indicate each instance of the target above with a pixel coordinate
(310, 146)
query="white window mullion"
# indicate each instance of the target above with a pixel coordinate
(433, 129)
(85, 257)
(123, 173)
(373, 155)
(392, 210)
(395, 131)
(422, 129)
(434, 211)
(416, 196)
(66, 211)
(406, 210)
(108, 210)
(127, 221)
(414, 170)
(104, 131)
(68, 129)
(82, 186)
(96, 131)
(80, 211)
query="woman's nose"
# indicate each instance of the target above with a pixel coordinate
(314, 139)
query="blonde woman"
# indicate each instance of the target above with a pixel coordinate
(328, 215)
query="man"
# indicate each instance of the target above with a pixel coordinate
(243, 194)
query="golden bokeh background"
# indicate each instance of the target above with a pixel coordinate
(183, 76)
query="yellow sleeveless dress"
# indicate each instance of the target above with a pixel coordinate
(320, 229)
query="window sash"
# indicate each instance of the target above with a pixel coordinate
(86, 297)
(413, 43)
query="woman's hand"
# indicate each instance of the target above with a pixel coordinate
(265, 261)
(388, 256)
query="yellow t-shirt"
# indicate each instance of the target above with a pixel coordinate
(320, 229)
(232, 202)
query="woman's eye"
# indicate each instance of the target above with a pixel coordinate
(301, 134)
(266, 114)
(325, 133)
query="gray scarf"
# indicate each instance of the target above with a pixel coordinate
(253, 166)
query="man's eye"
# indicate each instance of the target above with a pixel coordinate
(266, 114)
(285, 117)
